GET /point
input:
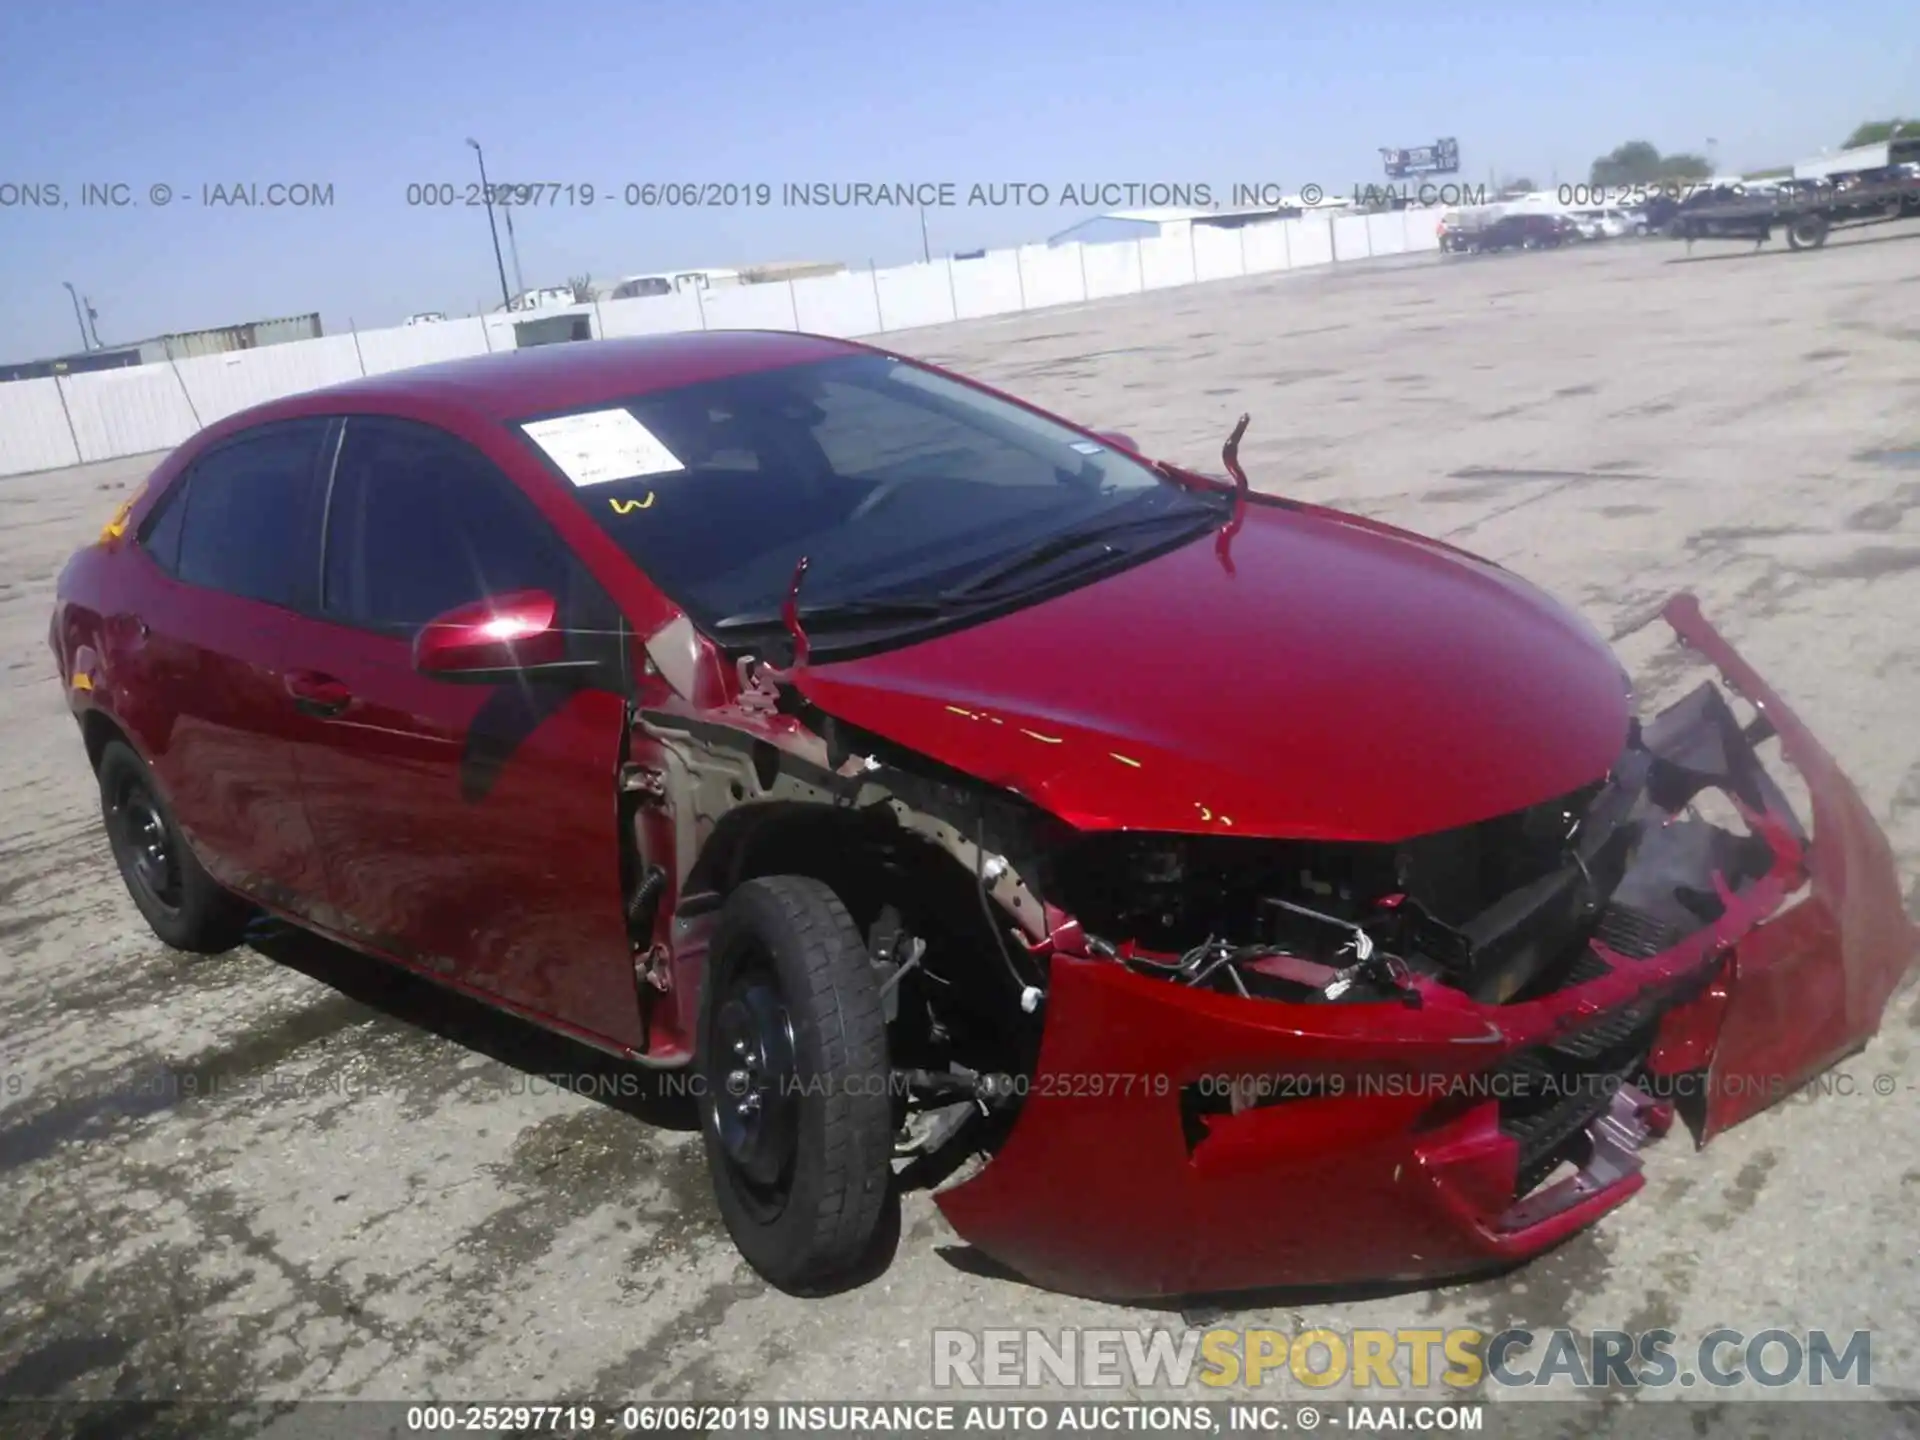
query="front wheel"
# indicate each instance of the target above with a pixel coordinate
(184, 905)
(795, 1108)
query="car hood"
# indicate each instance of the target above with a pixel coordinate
(1339, 680)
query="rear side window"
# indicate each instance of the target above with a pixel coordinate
(421, 522)
(248, 510)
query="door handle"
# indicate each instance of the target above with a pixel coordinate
(316, 694)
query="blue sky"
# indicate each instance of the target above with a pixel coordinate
(372, 95)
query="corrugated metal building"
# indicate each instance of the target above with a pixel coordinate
(219, 341)
(1901, 150)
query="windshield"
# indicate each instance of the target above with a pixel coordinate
(894, 481)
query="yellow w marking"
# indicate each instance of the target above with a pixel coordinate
(627, 507)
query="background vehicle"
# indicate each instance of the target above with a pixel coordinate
(1807, 210)
(674, 282)
(1525, 232)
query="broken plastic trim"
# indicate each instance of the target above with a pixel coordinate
(1230, 457)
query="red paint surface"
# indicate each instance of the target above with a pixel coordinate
(1345, 682)
(1404, 1186)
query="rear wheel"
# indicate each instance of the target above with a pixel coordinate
(1809, 232)
(796, 1111)
(183, 904)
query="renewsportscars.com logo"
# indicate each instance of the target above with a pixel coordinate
(1557, 1363)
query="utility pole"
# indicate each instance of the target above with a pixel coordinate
(78, 318)
(513, 249)
(486, 193)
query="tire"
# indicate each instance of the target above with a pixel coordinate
(186, 908)
(795, 1101)
(1809, 232)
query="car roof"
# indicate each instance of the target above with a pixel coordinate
(543, 379)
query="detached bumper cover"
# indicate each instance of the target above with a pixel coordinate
(1385, 1152)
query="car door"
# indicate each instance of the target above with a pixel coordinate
(468, 828)
(233, 555)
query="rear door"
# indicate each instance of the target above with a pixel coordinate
(234, 550)
(469, 829)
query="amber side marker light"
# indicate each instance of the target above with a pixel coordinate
(117, 526)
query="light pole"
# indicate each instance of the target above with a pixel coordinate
(486, 193)
(93, 321)
(513, 249)
(78, 318)
(926, 249)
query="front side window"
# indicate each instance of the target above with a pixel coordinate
(160, 536)
(246, 527)
(419, 523)
(893, 480)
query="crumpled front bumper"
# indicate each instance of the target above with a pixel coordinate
(1383, 1156)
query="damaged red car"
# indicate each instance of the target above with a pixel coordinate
(1198, 889)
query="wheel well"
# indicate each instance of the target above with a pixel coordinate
(98, 732)
(835, 846)
(886, 875)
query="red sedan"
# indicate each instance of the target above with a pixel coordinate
(1203, 889)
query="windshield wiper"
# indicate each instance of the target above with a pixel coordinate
(834, 612)
(1056, 546)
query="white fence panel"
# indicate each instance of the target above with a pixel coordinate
(1387, 234)
(989, 285)
(845, 304)
(1051, 275)
(1309, 240)
(751, 307)
(1217, 252)
(153, 407)
(1350, 237)
(912, 295)
(1112, 269)
(33, 428)
(651, 315)
(128, 412)
(404, 346)
(1167, 260)
(221, 384)
(1268, 246)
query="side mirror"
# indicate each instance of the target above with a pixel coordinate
(1119, 440)
(508, 637)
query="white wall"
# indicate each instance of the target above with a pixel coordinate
(989, 285)
(846, 304)
(128, 412)
(405, 345)
(912, 295)
(33, 427)
(109, 413)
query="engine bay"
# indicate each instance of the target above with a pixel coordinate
(1505, 910)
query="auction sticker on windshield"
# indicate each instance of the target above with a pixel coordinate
(602, 446)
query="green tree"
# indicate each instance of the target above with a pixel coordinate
(582, 287)
(1634, 163)
(1875, 131)
(1638, 163)
(1519, 184)
(1685, 167)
